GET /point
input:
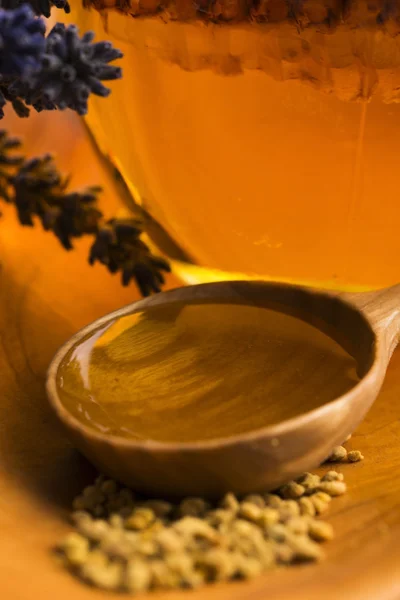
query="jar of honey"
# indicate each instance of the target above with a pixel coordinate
(262, 136)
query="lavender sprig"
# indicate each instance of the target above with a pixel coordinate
(118, 246)
(22, 45)
(73, 67)
(57, 72)
(9, 161)
(40, 7)
(39, 191)
(22, 42)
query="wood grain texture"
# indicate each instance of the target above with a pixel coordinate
(41, 305)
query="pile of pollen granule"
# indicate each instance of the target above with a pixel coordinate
(130, 544)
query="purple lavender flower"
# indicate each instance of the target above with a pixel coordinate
(118, 246)
(40, 7)
(57, 72)
(73, 67)
(22, 42)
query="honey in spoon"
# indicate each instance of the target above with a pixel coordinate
(185, 372)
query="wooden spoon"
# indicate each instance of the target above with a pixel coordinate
(367, 325)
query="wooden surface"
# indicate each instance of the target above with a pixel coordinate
(45, 295)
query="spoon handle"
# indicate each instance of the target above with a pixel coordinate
(382, 309)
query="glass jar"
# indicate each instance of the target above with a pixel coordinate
(264, 138)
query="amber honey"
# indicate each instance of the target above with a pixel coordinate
(187, 372)
(265, 149)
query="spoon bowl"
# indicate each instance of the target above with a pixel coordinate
(366, 325)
